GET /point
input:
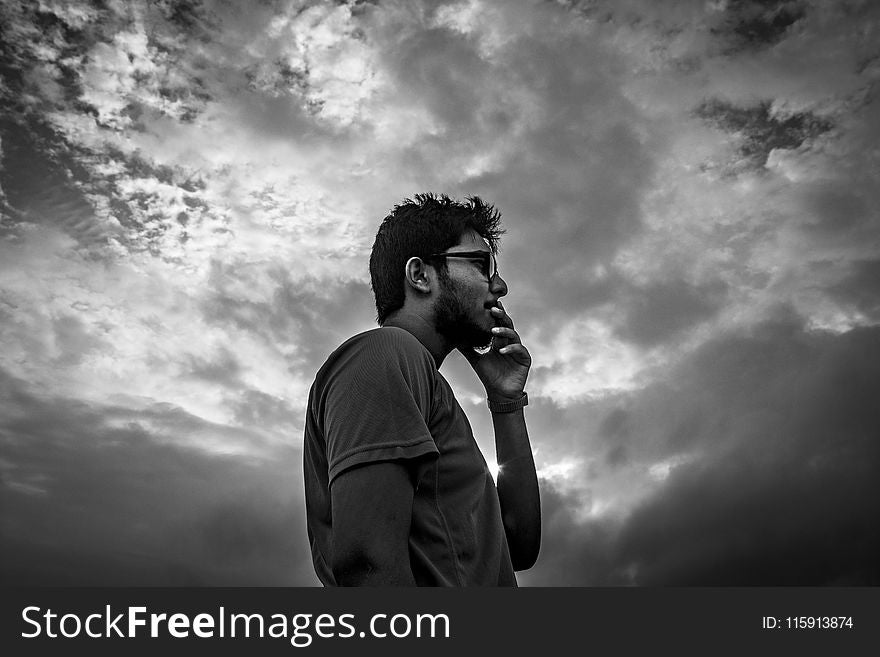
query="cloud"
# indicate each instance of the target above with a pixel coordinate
(769, 452)
(573, 553)
(189, 192)
(136, 505)
(861, 287)
(750, 24)
(36, 184)
(661, 310)
(760, 131)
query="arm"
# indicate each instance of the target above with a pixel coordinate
(517, 488)
(503, 371)
(372, 510)
(378, 447)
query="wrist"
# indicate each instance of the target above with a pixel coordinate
(502, 395)
(507, 404)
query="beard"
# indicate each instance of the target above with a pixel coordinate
(452, 321)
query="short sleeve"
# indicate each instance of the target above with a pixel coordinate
(378, 402)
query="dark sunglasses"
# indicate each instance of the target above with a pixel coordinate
(489, 265)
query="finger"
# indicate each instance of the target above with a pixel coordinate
(507, 333)
(518, 350)
(501, 316)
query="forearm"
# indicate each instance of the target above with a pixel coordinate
(517, 488)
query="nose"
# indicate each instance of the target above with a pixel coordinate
(498, 285)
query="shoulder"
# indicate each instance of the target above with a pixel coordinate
(390, 342)
(379, 349)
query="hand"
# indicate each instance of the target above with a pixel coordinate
(504, 368)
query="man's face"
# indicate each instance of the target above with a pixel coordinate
(461, 312)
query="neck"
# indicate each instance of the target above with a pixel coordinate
(423, 329)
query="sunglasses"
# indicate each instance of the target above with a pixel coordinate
(488, 263)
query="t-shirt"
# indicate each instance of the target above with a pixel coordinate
(379, 397)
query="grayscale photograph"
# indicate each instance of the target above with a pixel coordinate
(520, 293)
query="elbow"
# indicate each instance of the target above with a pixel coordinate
(525, 557)
(350, 567)
(360, 567)
(353, 562)
(524, 545)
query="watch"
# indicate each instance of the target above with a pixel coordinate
(508, 406)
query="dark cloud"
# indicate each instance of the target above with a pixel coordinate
(253, 408)
(191, 17)
(445, 68)
(783, 486)
(760, 130)
(573, 552)
(837, 208)
(90, 501)
(861, 287)
(800, 519)
(757, 24)
(37, 177)
(661, 310)
(24, 26)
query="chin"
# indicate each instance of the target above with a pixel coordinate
(484, 345)
(478, 338)
(468, 336)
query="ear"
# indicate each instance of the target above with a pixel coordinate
(417, 275)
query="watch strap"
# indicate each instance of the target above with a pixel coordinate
(508, 406)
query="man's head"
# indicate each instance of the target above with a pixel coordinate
(468, 288)
(420, 228)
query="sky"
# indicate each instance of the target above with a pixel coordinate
(189, 194)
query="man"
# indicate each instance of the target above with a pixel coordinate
(397, 490)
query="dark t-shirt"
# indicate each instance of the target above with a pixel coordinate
(379, 397)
